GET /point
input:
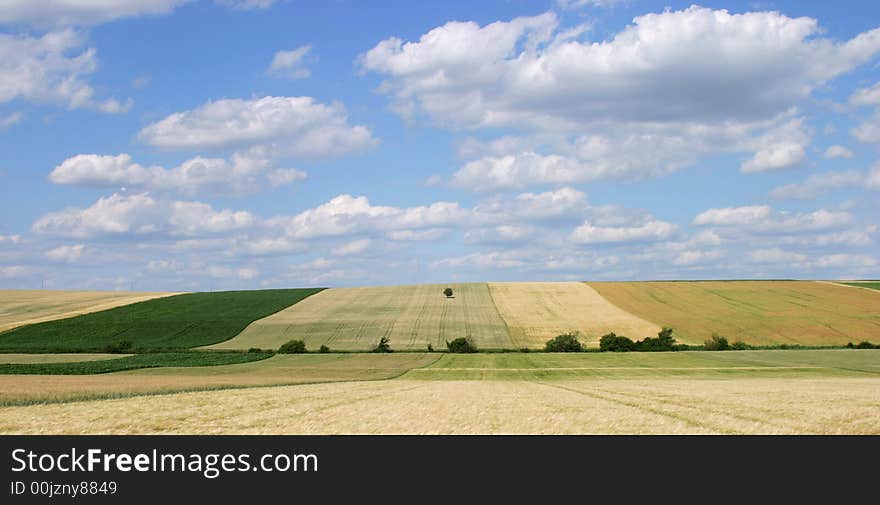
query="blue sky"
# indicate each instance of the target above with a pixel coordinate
(194, 145)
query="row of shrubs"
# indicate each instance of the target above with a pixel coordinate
(569, 342)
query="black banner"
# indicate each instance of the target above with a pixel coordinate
(126, 469)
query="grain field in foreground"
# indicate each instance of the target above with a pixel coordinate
(21, 307)
(669, 406)
(538, 311)
(756, 312)
(356, 318)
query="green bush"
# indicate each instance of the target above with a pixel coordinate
(430, 348)
(567, 342)
(384, 345)
(866, 345)
(121, 347)
(716, 343)
(461, 345)
(663, 342)
(448, 292)
(524, 349)
(616, 343)
(324, 349)
(293, 347)
(739, 345)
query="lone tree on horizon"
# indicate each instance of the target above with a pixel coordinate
(448, 292)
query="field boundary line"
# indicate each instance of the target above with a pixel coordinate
(769, 367)
(497, 311)
(846, 285)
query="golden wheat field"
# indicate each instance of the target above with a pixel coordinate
(661, 406)
(756, 312)
(356, 318)
(537, 311)
(21, 307)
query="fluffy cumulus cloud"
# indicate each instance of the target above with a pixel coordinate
(197, 175)
(346, 214)
(521, 72)
(655, 97)
(51, 68)
(837, 152)
(295, 126)
(140, 215)
(817, 184)
(650, 231)
(783, 147)
(764, 219)
(80, 12)
(291, 64)
(866, 96)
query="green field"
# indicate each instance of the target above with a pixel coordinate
(865, 284)
(137, 361)
(688, 364)
(356, 318)
(174, 322)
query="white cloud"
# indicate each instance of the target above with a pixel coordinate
(50, 69)
(214, 175)
(346, 214)
(818, 184)
(868, 131)
(873, 181)
(781, 148)
(697, 257)
(620, 152)
(352, 248)
(246, 5)
(507, 233)
(10, 239)
(651, 231)
(866, 96)
(218, 272)
(494, 259)
(140, 214)
(733, 216)
(726, 67)
(838, 152)
(776, 255)
(764, 219)
(66, 253)
(291, 64)
(80, 12)
(9, 120)
(294, 126)
(845, 261)
(14, 271)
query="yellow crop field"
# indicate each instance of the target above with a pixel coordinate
(537, 311)
(279, 369)
(756, 312)
(21, 307)
(356, 318)
(660, 405)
